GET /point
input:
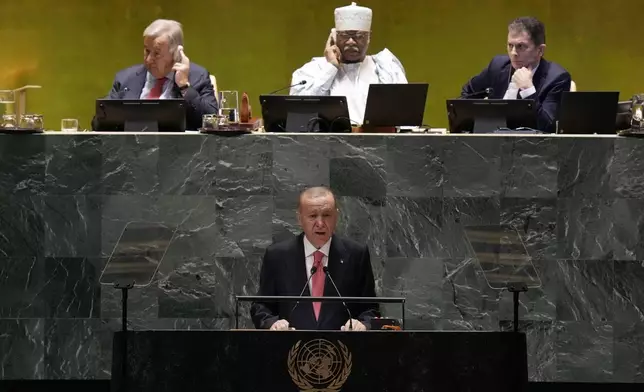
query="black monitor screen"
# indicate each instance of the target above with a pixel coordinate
(490, 115)
(288, 113)
(140, 115)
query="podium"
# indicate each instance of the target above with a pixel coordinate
(374, 361)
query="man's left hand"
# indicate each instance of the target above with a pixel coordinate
(182, 69)
(523, 78)
(357, 326)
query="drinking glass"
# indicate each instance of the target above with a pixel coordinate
(69, 125)
(229, 105)
(7, 96)
(637, 115)
(31, 121)
(9, 121)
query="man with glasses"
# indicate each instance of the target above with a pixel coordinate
(167, 73)
(345, 69)
(524, 73)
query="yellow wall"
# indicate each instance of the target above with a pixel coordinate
(74, 47)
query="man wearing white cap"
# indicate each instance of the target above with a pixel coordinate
(345, 69)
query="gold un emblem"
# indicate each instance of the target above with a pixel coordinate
(319, 365)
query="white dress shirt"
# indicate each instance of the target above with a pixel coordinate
(350, 80)
(309, 249)
(150, 81)
(513, 89)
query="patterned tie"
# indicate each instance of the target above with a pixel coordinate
(318, 281)
(156, 91)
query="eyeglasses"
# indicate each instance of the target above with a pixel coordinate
(356, 35)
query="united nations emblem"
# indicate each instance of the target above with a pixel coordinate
(319, 365)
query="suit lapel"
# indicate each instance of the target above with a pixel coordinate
(300, 279)
(135, 87)
(503, 80)
(299, 266)
(540, 75)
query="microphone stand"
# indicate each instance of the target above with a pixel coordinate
(515, 289)
(485, 93)
(124, 287)
(284, 88)
(326, 272)
(313, 271)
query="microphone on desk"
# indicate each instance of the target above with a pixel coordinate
(284, 88)
(313, 270)
(487, 92)
(326, 271)
(123, 92)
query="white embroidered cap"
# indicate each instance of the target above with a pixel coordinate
(353, 17)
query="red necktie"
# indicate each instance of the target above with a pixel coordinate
(317, 281)
(157, 89)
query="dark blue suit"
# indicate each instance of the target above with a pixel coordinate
(200, 96)
(550, 81)
(283, 273)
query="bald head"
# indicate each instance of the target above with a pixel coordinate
(317, 214)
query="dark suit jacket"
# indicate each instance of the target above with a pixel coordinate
(283, 272)
(550, 81)
(200, 96)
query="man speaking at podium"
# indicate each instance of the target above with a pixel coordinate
(309, 265)
(524, 73)
(345, 69)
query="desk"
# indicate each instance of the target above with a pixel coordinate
(231, 361)
(577, 200)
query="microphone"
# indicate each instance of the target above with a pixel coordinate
(487, 92)
(313, 270)
(123, 92)
(284, 88)
(326, 271)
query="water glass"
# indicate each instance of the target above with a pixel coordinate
(69, 125)
(9, 121)
(7, 96)
(229, 105)
(637, 115)
(31, 121)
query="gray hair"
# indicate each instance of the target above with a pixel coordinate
(168, 28)
(314, 193)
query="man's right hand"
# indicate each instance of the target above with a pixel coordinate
(280, 325)
(332, 52)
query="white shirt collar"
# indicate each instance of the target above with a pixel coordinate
(150, 78)
(534, 71)
(309, 249)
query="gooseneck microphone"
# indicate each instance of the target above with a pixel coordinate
(284, 88)
(486, 93)
(313, 270)
(122, 93)
(326, 271)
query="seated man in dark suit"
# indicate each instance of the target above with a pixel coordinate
(167, 73)
(287, 267)
(524, 73)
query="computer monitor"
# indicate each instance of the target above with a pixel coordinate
(490, 115)
(588, 112)
(140, 115)
(396, 105)
(290, 113)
